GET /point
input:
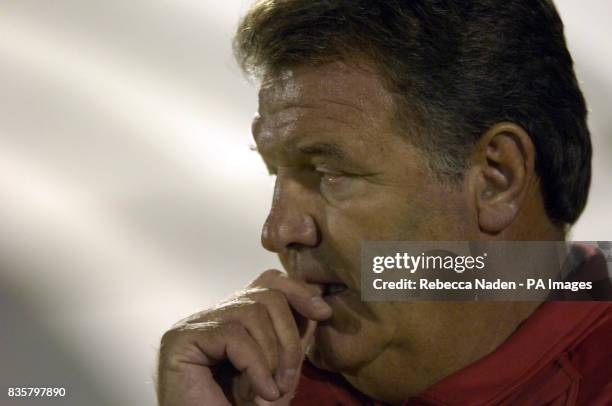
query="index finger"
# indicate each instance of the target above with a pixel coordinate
(305, 298)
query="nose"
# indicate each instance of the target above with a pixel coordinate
(290, 223)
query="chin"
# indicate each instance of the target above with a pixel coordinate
(328, 350)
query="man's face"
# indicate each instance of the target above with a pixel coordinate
(344, 174)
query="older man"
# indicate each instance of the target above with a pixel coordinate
(402, 120)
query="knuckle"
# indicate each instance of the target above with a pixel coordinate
(172, 351)
(234, 329)
(271, 297)
(182, 331)
(197, 317)
(170, 337)
(256, 310)
(268, 275)
(276, 297)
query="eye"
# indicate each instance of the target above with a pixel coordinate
(331, 178)
(327, 174)
(334, 184)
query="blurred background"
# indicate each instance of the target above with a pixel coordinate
(129, 197)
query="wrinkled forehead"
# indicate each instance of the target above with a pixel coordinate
(353, 86)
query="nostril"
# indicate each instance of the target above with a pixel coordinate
(289, 227)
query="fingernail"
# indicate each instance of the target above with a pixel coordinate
(319, 304)
(271, 388)
(285, 379)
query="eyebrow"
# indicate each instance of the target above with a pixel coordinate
(317, 149)
(325, 149)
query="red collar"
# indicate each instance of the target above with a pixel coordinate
(551, 330)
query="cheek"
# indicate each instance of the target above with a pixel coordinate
(344, 229)
(341, 245)
(383, 217)
(445, 211)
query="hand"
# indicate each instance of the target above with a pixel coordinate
(248, 349)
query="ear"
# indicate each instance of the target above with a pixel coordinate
(501, 170)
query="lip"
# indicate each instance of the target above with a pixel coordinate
(309, 268)
(336, 296)
(313, 273)
(315, 279)
(321, 279)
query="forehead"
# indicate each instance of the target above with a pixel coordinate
(353, 84)
(328, 97)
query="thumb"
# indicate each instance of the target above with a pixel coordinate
(308, 336)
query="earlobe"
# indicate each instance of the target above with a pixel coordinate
(502, 170)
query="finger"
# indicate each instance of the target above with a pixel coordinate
(255, 318)
(308, 336)
(261, 328)
(303, 297)
(287, 333)
(285, 400)
(192, 385)
(184, 377)
(205, 345)
(246, 356)
(289, 381)
(243, 390)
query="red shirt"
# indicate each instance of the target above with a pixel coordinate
(561, 355)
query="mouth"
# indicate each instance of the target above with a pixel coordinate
(333, 289)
